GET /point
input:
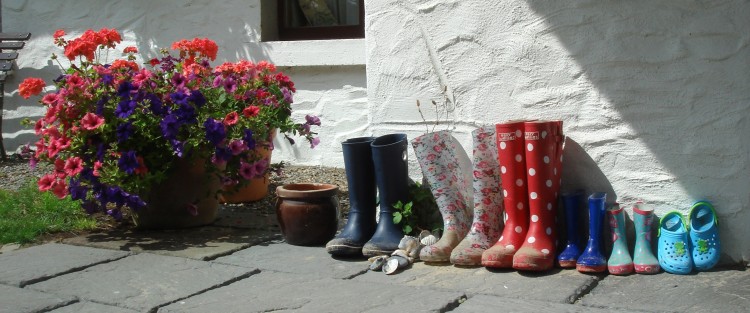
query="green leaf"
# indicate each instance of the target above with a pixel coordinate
(407, 229)
(407, 207)
(398, 205)
(397, 217)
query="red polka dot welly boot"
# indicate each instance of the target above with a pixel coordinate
(512, 161)
(543, 147)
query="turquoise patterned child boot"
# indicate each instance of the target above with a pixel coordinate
(674, 245)
(619, 262)
(644, 261)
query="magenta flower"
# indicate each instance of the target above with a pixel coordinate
(91, 121)
(237, 147)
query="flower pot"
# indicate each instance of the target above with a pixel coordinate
(307, 213)
(187, 198)
(256, 188)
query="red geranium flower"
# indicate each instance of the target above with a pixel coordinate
(130, 49)
(31, 87)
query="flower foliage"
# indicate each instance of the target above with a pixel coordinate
(113, 130)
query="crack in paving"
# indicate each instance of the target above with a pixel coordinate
(586, 289)
(59, 305)
(455, 304)
(72, 270)
(226, 283)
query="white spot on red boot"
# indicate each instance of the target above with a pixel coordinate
(502, 145)
(503, 169)
(546, 159)
(532, 172)
(549, 183)
(545, 251)
(519, 182)
(518, 229)
(519, 158)
(531, 240)
(534, 218)
(549, 231)
(519, 206)
(533, 195)
(530, 147)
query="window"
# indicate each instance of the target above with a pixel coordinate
(320, 19)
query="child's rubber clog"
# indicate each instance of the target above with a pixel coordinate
(674, 246)
(704, 236)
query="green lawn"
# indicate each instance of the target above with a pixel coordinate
(27, 213)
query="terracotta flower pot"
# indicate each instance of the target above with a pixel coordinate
(308, 213)
(187, 198)
(257, 188)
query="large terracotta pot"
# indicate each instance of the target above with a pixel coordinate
(187, 198)
(308, 213)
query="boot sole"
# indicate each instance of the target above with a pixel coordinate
(372, 252)
(647, 269)
(591, 269)
(502, 262)
(344, 250)
(567, 264)
(620, 269)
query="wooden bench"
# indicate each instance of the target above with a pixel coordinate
(13, 42)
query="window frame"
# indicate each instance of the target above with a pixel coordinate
(319, 33)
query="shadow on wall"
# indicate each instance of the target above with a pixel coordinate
(676, 73)
(583, 174)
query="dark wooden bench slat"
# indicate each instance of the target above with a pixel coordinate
(12, 45)
(15, 36)
(9, 56)
(6, 66)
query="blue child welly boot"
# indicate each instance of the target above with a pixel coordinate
(392, 178)
(592, 260)
(620, 262)
(644, 260)
(360, 177)
(572, 203)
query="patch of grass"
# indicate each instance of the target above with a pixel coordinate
(28, 213)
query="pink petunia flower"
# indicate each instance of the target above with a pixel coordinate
(91, 121)
(237, 147)
(45, 182)
(60, 189)
(73, 166)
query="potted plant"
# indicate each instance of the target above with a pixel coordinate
(159, 137)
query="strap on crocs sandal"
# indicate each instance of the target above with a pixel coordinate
(699, 216)
(670, 224)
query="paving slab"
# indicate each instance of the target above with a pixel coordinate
(283, 257)
(230, 215)
(18, 300)
(716, 291)
(143, 281)
(486, 303)
(274, 291)
(559, 286)
(91, 307)
(25, 266)
(200, 243)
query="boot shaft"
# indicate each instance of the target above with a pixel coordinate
(572, 203)
(617, 224)
(360, 174)
(391, 171)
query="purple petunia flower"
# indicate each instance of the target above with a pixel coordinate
(115, 213)
(247, 171)
(107, 79)
(123, 91)
(169, 126)
(230, 85)
(100, 105)
(312, 120)
(260, 167)
(178, 80)
(287, 95)
(248, 139)
(215, 132)
(134, 202)
(177, 146)
(128, 162)
(178, 97)
(155, 104)
(77, 192)
(186, 113)
(125, 108)
(197, 98)
(223, 154)
(237, 147)
(315, 141)
(124, 131)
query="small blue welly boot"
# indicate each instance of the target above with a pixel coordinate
(592, 260)
(620, 262)
(572, 203)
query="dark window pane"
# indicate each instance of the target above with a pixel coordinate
(321, 13)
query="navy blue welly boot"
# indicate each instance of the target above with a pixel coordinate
(572, 203)
(360, 177)
(592, 260)
(392, 178)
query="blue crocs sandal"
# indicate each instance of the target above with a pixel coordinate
(674, 246)
(704, 236)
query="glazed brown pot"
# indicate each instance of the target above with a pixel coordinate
(308, 213)
(187, 198)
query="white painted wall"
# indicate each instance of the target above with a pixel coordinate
(654, 95)
(329, 75)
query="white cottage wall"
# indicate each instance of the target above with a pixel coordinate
(329, 75)
(654, 95)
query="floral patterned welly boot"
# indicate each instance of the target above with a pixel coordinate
(543, 147)
(485, 229)
(644, 261)
(512, 160)
(445, 167)
(620, 262)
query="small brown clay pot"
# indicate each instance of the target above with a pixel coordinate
(308, 213)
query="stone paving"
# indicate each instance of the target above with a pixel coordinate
(213, 269)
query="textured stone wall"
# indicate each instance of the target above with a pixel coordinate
(336, 93)
(654, 95)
